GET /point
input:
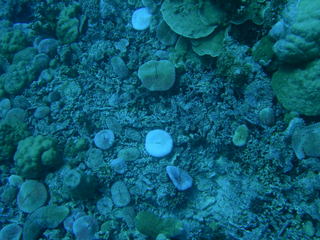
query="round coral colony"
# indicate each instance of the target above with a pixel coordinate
(141, 19)
(104, 139)
(158, 143)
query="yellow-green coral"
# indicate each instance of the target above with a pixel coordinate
(12, 41)
(25, 68)
(68, 25)
(35, 156)
(10, 135)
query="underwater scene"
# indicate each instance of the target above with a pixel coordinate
(160, 119)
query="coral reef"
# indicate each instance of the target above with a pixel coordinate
(90, 90)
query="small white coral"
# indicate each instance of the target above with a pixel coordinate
(158, 143)
(141, 19)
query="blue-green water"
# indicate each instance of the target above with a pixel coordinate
(173, 119)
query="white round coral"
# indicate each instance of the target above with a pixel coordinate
(141, 19)
(158, 143)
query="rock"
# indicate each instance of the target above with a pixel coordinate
(306, 141)
(11, 232)
(94, 159)
(15, 181)
(180, 178)
(41, 112)
(42, 219)
(118, 165)
(5, 106)
(104, 139)
(32, 195)
(211, 45)
(85, 227)
(69, 221)
(48, 46)
(119, 67)
(80, 185)
(15, 115)
(129, 154)
(120, 194)
(165, 34)
(157, 75)
(240, 136)
(266, 116)
(104, 206)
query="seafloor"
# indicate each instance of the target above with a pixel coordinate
(230, 133)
